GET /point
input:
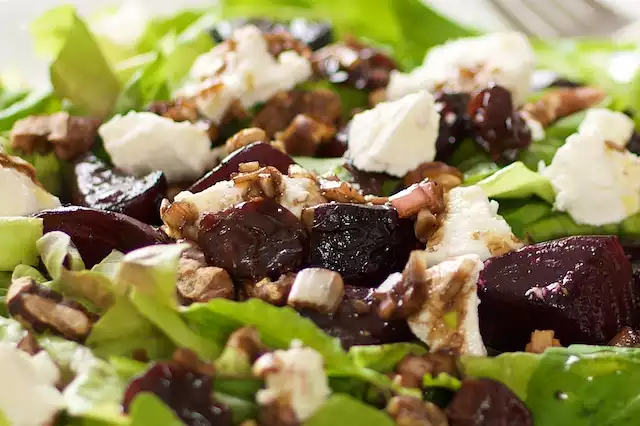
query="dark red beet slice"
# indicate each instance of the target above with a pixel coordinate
(580, 287)
(97, 232)
(485, 402)
(363, 243)
(93, 184)
(455, 125)
(187, 392)
(261, 152)
(253, 240)
(372, 183)
(356, 323)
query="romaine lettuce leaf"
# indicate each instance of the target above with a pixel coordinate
(147, 409)
(343, 410)
(18, 241)
(383, 358)
(517, 181)
(39, 101)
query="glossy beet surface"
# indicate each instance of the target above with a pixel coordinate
(580, 287)
(363, 243)
(356, 323)
(261, 152)
(92, 183)
(96, 233)
(186, 392)
(316, 34)
(485, 402)
(497, 127)
(371, 183)
(454, 123)
(253, 240)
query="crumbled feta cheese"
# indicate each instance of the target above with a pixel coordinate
(471, 225)
(395, 137)
(22, 195)
(218, 197)
(448, 319)
(298, 193)
(29, 396)
(615, 127)
(141, 142)
(470, 64)
(536, 128)
(594, 183)
(245, 70)
(295, 377)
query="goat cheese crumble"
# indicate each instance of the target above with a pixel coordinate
(395, 137)
(615, 127)
(26, 196)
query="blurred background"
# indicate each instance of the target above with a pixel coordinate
(18, 58)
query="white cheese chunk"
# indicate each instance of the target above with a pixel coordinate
(242, 70)
(142, 142)
(395, 137)
(471, 225)
(595, 184)
(218, 197)
(295, 377)
(29, 396)
(22, 196)
(298, 193)
(470, 64)
(615, 127)
(448, 320)
(536, 128)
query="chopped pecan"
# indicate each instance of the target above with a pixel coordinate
(562, 102)
(443, 174)
(283, 41)
(189, 359)
(541, 340)
(626, 338)
(247, 340)
(178, 216)
(410, 411)
(177, 110)
(340, 191)
(304, 135)
(264, 182)
(42, 309)
(424, 195)
(425, 225)
(198, 282)
(318, 289)
(411, 370)
(274, 292)
(403, 294)
(245, 137)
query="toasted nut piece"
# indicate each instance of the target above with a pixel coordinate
(410, 411)
(304, 135)
(340, 191)
(177, 110)
(201, 283)
(247, 340)
(189, 359)
(425, 225)
(248, 167)
(541, 340)
(443, 174)
(318, 289)
(282, 41)
(178, 215)
(245, 137)
(403, 294)
(274, 292)
(42, 309)
(424, 195)
(411, 370)
(562, 102)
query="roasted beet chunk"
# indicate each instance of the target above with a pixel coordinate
(454, 123)
(497, 127)
(356, 322)
(363, 243)
(579, 287)
(263, 153)
(253, 240)
(372, 183)
(93, 184)
(187, 392)
(485, 402)
(96, 233)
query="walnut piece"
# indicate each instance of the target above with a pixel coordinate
(247, 340)
(411, 370)
(562, 102)
(410, 411)
(283, 41)
(304, 135)
(340, 191)
(41, 309)
(245, 137)
(446, 176)
(274, 292)
(541, 340)
(198, 282)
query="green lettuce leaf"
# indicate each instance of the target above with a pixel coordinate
(383, 358)
(557, 225)
(18, 241)
(5, 282)
(147, 409)
(40, 101)
(79, 71)
(519, 215)
(11, 331)
(147, 84)
(517, 181)
(343, 410)
(241, 409)
(319, 165)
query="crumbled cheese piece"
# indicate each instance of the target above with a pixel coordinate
(470, 64)
(536, 128)
(295, 377)
(29, 396)
(218, 197)
(242, 69)
(395, 137)
(594, 183)
(471, 225)
(298, 193)
(22, 196)
(141, 142)
(448, 319)
(615, 127)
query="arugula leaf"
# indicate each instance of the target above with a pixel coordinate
(18, 242)
(383, 358)
(517, 181)
(343, 410)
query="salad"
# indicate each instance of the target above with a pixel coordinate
(308, 213)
